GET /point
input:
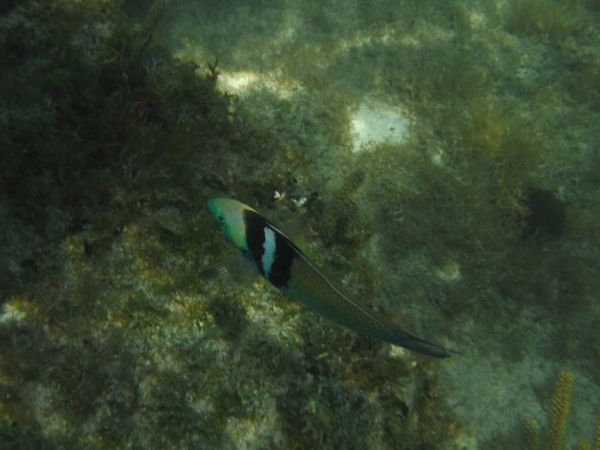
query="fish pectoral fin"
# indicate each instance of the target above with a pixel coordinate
(234, 265)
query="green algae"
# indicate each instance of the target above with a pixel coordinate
(547, 19)
(121, 343)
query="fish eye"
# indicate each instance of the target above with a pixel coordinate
(221, 219)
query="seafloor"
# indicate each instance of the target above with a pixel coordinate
(443, 156)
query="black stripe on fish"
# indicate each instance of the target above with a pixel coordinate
(260, 231)
(281, 269)
(255, 237)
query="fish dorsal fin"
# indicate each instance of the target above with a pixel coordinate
(297, 229)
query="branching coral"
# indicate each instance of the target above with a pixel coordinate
(532, 438)
(597, 437)
(559, 412)
(561, 401)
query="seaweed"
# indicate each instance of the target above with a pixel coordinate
(546, 213)
(548, 19)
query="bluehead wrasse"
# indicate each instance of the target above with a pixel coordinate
(285, 266)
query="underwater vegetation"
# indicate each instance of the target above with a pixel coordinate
(481, 228)
(547, 19)
(557, 421)
(108, 338)
(86, 113)
(545, 213)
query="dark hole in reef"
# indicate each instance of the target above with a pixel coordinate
(546, 213)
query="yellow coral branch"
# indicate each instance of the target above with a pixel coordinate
(583, 446)
(531, 434)
(597, 437)
(561, 401)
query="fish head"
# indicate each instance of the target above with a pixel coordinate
(229, 214)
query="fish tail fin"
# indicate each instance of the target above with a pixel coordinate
(416, 344)
(430, 349)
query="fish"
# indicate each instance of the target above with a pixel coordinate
(272, 254)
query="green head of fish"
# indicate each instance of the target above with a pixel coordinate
(229, 214)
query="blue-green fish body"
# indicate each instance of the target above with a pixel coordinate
(285, 266)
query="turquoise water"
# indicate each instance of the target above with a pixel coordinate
(441, 159)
